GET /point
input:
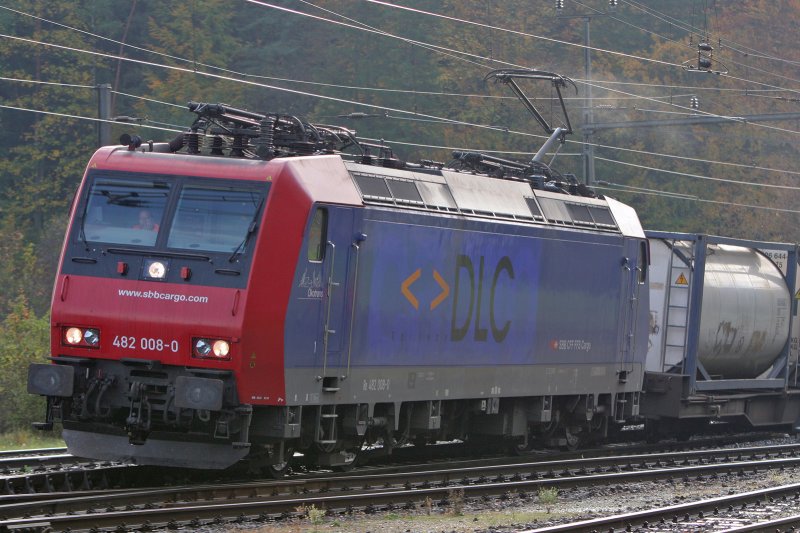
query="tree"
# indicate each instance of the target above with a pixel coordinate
(42, 168)
(24, 341)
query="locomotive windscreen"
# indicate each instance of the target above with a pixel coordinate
(125, 212)
(191, 216)
(212, 219)
(203, 227)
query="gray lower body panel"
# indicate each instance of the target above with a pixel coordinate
(401, 384)
(171, 453)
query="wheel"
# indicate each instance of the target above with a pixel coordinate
(522, 445)
(421, 442)
(351, 456)
(279, 470)
(573, 439)
(652, 433)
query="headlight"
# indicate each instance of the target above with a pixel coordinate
(155, 269)
(221, 348)
(211, 348)
(91, 337)
(202, 347)
(73, 336)
(80, 337)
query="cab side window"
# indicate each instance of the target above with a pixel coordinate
(643, 261)
(317, 235)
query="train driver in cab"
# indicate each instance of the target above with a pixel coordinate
(146, 221)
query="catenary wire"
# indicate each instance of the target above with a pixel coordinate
(748, 92)
(729, 60)
(369, 105)
(265, 4)
(672, 196)
(444, 120)
(244, 74)
(457, 53)
(657, 154)
(92, 119)
(684, 174)
(745, 50)
(631, 150)
(600, 187)
(699, 176)
(362, 25)
(38, 82)
(701, 112)
(520, 33)
(256, 84)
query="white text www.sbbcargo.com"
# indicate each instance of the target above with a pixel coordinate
(155, 295)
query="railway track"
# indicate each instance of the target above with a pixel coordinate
(52, 470)
(6, 454)
(11, 460)
(379, 489)
(772, 509)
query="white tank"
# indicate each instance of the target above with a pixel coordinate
(745, 314)
(745, 317)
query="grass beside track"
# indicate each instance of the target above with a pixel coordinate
(24, 439)
(437, 522)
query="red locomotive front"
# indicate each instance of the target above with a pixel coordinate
(149, 306)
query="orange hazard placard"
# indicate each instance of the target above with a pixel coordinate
(681, 280)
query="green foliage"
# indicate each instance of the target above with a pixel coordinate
(25, 340)
(29, 263)
(27, 438)
(548, 497)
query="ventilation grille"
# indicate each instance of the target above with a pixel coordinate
(434, 196)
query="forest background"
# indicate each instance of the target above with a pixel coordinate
(400, 71)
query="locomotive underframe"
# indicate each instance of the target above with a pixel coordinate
(136, 411)
(434, 407)
(332, 434)
(142, 411)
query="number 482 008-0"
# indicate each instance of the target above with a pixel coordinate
(146, 343)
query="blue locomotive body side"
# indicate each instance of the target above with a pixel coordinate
(444, 292)
(441, 291)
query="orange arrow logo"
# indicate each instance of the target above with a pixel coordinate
(407, 283)
(445, 290)
(405, 288)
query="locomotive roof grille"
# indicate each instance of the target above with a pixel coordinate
(480, 196)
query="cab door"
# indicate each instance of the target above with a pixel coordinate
(336, 295)
(634, 281)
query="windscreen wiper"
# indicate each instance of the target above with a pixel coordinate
(250, 230)
(82, 229)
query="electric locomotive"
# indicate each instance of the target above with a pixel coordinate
(262, 292)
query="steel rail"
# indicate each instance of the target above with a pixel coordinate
(680, 515)
(31, 451)
(361, 490)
